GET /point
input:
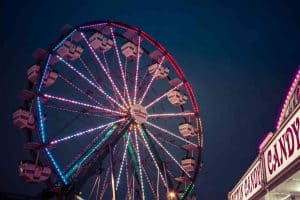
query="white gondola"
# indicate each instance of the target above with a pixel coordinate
(101, 43)
(70, 51)
(130, 50)
(24, 119)
(33, 74)
(186, 130)
(188, 164)
(50, 78)
(34, 173)
(157, 71)
(176, 98)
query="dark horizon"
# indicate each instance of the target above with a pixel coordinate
(240, 58)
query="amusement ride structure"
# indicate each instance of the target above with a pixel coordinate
(109, 114)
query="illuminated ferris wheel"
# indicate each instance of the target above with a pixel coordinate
(108, 113)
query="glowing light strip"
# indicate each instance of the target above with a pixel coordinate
(137, 70)
(120, 64)
(148, 180)
(140, 163)
(91, 26)
(90, 152)
(94, 185)
(56, 167)
(170, 133)
(67, 37)
(40, 112)
(81, 104)
(85, 132)
(104, 184)
(88, 70)
(123, 159)
(152, 156)
(287, 99)
(79, 112)
(171, 156)
(182, 114)
(45, 71)
(127, 177)
(151, 81)
(103, 68)
(163, 95)
(80, 90)
(43, 136)
(98, 87)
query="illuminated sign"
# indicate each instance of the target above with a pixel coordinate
(284, 149)
(250, 184)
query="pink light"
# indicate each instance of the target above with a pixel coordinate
(148, 180)
(287, 99)
(152, 156)
(137, 70)
(140, 163)
(81, 104)
(81, 91)
(169, 154)
(265, 141)
(151, 81)
(88, 70)
(103, 68)
(120, 64)
(182, 114)
(85, 132)
(163, 95)
(98, 87)
(170, 133)
(123, 160)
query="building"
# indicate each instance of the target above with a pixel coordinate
(275, 173)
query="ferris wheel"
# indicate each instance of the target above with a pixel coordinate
(108, 113)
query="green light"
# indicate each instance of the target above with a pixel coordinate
(90, 152)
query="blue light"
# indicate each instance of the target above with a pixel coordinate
(43, 137)
(56, 166)
(44, 74)
(59, 44)
(42, 128)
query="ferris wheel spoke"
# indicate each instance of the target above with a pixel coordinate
(80, 90)
(137, 70)
(124, 157)
(94, 186)
(80, 112)
(149, 181)
(120, 64)
(151, 81)
(105, 184)
(164, 95)
(169, 154)
(88, 70)
(168, 115)
(170, 133)
(98, 87)
(84, 132)
(152, 156)
(140, 163)
(107, 73)
(77, 103)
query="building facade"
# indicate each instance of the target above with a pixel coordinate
(275, 173)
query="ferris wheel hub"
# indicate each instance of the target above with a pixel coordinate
(139, 113)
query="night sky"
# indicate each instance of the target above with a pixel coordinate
(240, 57)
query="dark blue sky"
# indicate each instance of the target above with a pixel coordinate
(239, 56)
